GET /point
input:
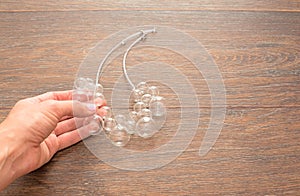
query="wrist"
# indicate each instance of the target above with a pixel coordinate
(8, 155)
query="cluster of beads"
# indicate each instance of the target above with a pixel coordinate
(147, 104)
(119, 128)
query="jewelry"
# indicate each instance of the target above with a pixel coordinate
(147, 102)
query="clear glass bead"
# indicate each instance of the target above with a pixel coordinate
(145, 113)
(90, 84)
(99, 96)
(98, 99)
(119, 136)
(142, 87)
(158, 98)
(106, 112)
(139, 106)
(109, 124)
(79, 95)
(146, 98)
(134, 115)
(90, 94)
(120, 118)
(99, 107)
(153, 90)
(157, 108)
(99, 88)
(136, 94)
(126, 122)
(93, 124)
(130, 126)
(146, 127)
(80, 83)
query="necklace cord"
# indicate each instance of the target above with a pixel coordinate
(141, 36)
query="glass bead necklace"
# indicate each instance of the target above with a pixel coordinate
(147, 103)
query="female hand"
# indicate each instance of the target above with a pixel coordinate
(35, 129)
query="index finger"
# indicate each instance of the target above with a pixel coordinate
(56, 95)
(68, 108)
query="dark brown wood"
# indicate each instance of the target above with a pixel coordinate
(256, 47)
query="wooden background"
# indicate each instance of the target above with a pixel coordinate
(256, 47)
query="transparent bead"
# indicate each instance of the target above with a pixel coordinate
(146, 127)
(146, 98)
(126, 122)
(79, 95)
(80, 83)
(153, 90)
(143, 87)
(130, 126)
(109, 124)
(139, 106)
(90, 94)
(157, 108)
(158, 98)
(99, 88)
(119, 136)
(90, 84)
(145, 113)
(106, 112)
(99, 98)
(93, 124)
(134, 115)
(99, 95)
(120, 118)
(136, 94)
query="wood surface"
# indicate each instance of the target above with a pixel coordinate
(255, 45)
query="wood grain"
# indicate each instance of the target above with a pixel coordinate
(256, 47)
(64, 5)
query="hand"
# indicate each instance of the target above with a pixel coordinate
(35, 129)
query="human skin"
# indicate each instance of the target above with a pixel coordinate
(35, 129)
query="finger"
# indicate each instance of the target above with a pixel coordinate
(68, 139)
(65, 118)
(68, 125)
(57, 95)
(100, 102)
(60, 109)
(85, 130)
